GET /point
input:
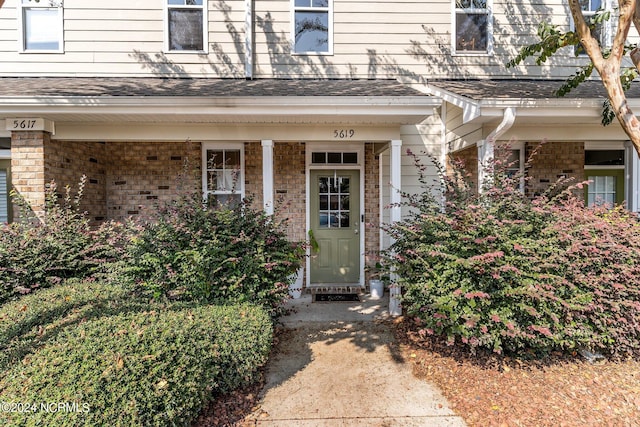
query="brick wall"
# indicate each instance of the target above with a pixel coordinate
(27, 167)
(290, 188)
(371, 204)
(66, 162)
(142, 175)
(553, 161)
(469, 160)
(253, 173)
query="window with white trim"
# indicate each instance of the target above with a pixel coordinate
(473, 26)
(186, 25)
(223, 173)
(312, 26)
(41, 26)
(601, 31)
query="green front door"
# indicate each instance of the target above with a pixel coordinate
(335, 222)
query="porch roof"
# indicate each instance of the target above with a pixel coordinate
(535, 100)
(142, 99)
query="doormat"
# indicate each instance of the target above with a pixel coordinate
(336, 298)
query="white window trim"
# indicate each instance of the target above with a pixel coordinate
(607, 26)
(21, 26)
(292, 36)
(205, 27)
(222, 146)
(454, 34)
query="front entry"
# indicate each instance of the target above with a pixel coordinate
(335, 223)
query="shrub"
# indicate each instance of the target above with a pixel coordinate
(40, 252)
(501, 271)
(157, 367)
(223, 254)
(31, 321)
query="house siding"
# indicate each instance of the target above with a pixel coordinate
(375, 39)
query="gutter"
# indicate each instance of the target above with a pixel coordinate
(486, 147)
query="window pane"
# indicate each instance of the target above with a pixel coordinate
(319, 158)
(185, 29)
(344, 220)
(225, 199)
(344, 203)
(232, 159)
(610, 184)
(312, 32)
(324, 203)
(212, 181)
(334, 158)
(350, 158)
(471, 4)
(344, 185)
(41, 29)
(471, 32)
(303, 3)
(320, 3)
(604, 157)
(186, 2)
(324, 185)
(215, 159)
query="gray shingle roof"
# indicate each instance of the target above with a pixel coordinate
(94, 86)
(523, 88)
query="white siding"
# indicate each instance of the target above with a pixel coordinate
(459, 134)
(372, 39)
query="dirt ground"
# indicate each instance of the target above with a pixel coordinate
(561, 390)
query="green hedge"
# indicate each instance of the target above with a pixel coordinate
(96, 351)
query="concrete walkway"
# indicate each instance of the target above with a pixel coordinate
(337, 364)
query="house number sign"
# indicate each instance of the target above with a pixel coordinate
(26, 123)
(344, 133)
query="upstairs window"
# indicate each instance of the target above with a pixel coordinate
(186, 25)
(473, 26)
(600, 31)
(312, 26)
(40, 25)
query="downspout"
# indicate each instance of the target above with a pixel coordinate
(248, 39)
(486, 147)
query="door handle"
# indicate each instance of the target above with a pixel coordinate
(355, 231)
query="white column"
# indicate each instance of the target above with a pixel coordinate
(485, 158)
(631, 177)
(395, 166)
(267, 176)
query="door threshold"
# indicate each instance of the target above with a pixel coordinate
(335, 288)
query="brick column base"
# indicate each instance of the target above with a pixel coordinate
(28, 168)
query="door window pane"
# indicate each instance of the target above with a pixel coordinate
(333, 194)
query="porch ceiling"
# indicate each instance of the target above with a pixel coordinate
(153, 100)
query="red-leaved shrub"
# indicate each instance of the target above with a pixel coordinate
(512, 273)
